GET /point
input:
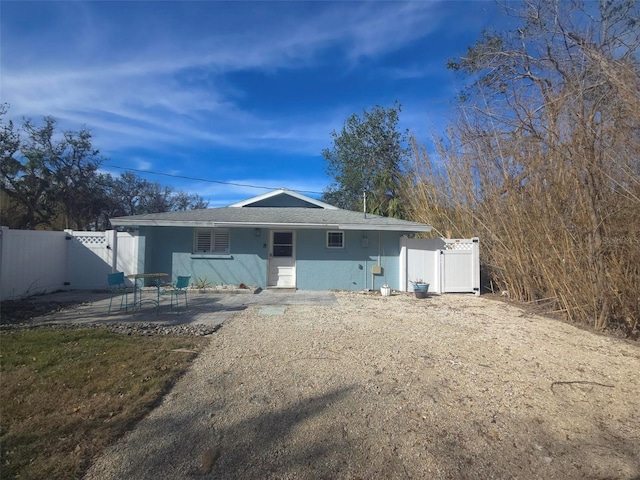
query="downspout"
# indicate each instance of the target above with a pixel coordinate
(373, 276)
(379, 258)
(364, 239)
(379, 242)
(365, 273)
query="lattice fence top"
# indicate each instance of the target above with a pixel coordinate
(91, 239)
(458, 245)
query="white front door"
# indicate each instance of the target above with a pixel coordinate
(282, 259)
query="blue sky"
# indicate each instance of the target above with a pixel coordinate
(239, 92)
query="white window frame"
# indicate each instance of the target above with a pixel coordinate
(218, 237)
(329, 232)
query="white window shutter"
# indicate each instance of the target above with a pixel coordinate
(208, 240)
(221, 242)
(203, 241)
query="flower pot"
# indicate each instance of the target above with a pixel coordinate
(385, 290)
(420, 290)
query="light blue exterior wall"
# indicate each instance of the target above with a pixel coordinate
(172, 253)
(349, 268)
(169, 249)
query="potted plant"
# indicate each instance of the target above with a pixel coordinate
(420, 288)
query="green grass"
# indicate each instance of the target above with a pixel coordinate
(66, 394)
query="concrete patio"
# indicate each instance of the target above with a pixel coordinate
(209, 308)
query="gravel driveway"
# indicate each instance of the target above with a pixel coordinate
(394, 387)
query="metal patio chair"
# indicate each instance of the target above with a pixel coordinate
(180, 287)
(118, 287)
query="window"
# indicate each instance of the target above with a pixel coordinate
(335, 239)
(211, 240)
(282, 244)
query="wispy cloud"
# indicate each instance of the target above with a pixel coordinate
(135, 89)
(180, 87)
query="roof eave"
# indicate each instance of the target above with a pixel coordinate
(126, 222)
(131, 222)
(388, 228)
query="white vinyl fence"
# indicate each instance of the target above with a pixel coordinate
(447, 265)
(35, 262)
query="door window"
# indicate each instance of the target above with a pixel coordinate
(282, 244)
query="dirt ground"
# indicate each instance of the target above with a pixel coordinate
(24, 310)
(395, 387)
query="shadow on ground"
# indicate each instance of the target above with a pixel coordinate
(83, 307)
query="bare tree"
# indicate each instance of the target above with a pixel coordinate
(543, 159)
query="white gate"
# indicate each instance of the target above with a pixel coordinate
(91, 256)
(447, 265)
(460, 266)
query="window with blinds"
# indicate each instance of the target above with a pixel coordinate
(211, 240)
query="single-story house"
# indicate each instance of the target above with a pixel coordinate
(278, 239)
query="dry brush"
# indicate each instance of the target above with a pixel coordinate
(543, 164)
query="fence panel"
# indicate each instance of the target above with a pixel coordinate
(419, 262)
(40, 262)
(32, 262)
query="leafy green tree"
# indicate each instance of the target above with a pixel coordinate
(47, 176)
(368, 155)
(50, 179)
(76, 179)
(13, 191)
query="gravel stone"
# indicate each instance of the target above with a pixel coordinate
(394, 387)
(146, 329)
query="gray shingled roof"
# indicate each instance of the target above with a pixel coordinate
(272, 217)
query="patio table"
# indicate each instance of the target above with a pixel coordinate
(138, 283)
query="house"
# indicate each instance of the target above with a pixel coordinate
(278, 239)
